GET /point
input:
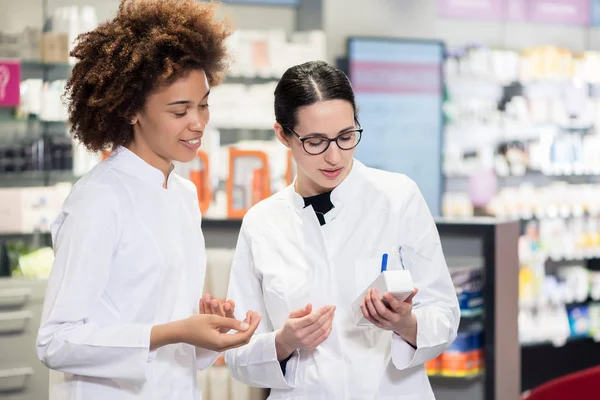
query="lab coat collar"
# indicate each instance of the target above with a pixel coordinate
(341, 194)
(131, 163)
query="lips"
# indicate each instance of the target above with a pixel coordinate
(192, 144)
(331, 173)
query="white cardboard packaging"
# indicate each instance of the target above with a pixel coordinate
(397, 282)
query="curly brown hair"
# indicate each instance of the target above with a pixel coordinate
(150, 43)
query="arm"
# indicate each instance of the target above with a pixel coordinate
(85, 237)
(257, 363)
(436, 313)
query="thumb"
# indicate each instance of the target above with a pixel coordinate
(230, 323)
(302, 312)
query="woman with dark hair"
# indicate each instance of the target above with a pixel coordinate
(305, 254)
(124, 317)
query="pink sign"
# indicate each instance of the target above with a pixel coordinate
(516, 10)
(575, 12)
(10, 80)
(472, 9)
(395, 77)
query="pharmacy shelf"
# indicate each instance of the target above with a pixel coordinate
(467, 377)
(250, 80)
(471, 313)
(567, 342)
(42, 64)
(15, 120)
(35, 178)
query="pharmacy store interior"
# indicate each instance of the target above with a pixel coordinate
(491, 107)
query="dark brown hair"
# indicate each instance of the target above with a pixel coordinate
(150, 43)
(306, 84)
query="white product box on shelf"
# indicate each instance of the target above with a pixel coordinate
(398, 283)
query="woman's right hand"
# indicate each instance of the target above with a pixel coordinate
(304, 329)
(204, 330)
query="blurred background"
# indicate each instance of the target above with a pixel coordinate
(491, 106)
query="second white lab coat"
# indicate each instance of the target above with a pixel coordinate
(285, 259)
(129, 255)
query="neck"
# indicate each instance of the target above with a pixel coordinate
(140, 149)
(307, 188)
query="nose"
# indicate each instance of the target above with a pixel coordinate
(333, 155)
(198, 122)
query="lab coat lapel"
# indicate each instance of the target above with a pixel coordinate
(317, 257)
(320, 292)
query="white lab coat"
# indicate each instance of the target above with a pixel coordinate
(129, 255)
(285, 259)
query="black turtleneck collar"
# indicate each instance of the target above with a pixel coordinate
(321, 203)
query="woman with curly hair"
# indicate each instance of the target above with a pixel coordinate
(124, 316)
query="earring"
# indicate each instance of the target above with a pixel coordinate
(133, 121)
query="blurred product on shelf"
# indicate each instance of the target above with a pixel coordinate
(468, 281)
(36, 154)
(63, 27)
(519, 112)
(264, 54)
(464, 358)
(268, 53)
(232, 108)
(54, 44)
(42, 100)
(31, 209)
(24, 45)
(556, 302)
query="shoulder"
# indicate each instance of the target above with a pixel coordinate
(266, 212)
(96, 190)
(187, 187)
(397, 187)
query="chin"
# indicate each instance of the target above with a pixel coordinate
(328, 184)
(184, 157)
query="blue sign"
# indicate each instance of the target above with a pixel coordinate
(595, 13)
(399, 94)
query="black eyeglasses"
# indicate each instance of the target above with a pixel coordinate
(315, 145)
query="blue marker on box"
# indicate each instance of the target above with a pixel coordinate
(384, 259)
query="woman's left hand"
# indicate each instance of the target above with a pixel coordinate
(209, 305)
(398, 317)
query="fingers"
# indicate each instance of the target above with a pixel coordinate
(367, 315)
(372, 314)
(229, 310)
(321, 338)
(217, 308)
(229, 306)
(413, 294)
(313, 317)
(397, 305)
(385, 313)
(317, 336)
(224, 323)
(302, 312)
(202, 307)
(206, 304)
(320, 322)
(240, 338)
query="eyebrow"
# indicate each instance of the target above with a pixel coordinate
(174, 103)
(345, 130)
